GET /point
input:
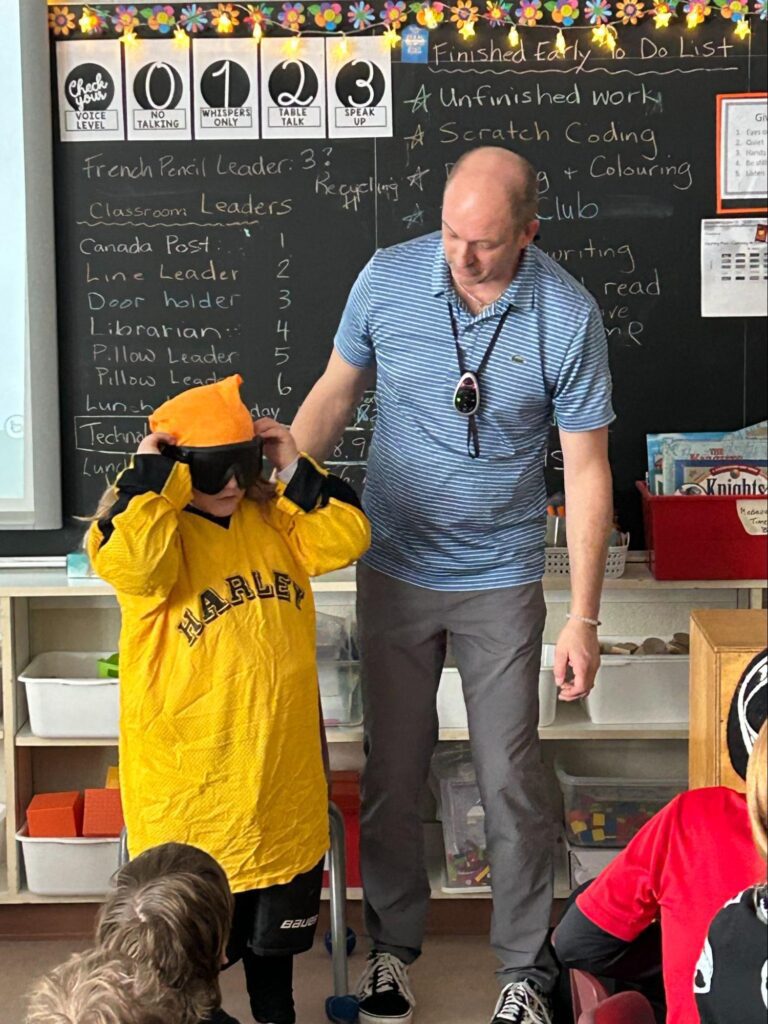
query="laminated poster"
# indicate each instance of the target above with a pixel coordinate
(359, 89)
(734, 267)
(293, 88)
(742, 152)
(157, 91)
(226, 88)
(90, 90)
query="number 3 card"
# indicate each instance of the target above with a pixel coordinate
(293, 88)
(359, 89)
(226, 89)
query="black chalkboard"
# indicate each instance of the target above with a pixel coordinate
(238, 256)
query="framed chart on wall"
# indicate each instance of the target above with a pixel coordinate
(742, 152)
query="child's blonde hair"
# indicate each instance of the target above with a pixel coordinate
(757, 791)
(171, 911)
(93, 989)
(262, 491)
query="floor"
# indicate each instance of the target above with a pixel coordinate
(453, 981)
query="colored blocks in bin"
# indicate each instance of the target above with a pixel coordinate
(466, 858)
(103, 814)
(55, 816)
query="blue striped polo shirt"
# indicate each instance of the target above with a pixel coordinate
(441, 519)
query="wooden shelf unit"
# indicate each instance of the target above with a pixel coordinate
(38, 605)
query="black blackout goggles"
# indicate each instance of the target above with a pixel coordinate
(212, 468)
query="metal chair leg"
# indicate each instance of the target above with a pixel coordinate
(338, 902)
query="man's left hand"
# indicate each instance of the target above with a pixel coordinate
(279, 446)
(577, 659)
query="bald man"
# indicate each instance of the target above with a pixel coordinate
(476, 339)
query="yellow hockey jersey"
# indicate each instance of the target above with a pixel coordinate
(219, 715)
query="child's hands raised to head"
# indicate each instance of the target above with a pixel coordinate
(152, 443)
(279, 445)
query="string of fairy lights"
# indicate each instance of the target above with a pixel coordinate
(514, 18)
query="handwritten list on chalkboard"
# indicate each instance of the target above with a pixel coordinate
(182, 262)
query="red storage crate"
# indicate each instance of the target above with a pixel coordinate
(702, 538)
(345, 793)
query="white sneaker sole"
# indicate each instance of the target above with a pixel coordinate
(369, 1018)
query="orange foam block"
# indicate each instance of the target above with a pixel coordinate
(55, 815)
(103, 818)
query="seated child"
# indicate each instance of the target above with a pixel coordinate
(730, 982)
(680, 868)
(93, 989)
(170, 914)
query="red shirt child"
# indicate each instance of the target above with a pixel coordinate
(682, 866)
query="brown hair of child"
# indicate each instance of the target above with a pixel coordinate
(90, 988)
(171, 911)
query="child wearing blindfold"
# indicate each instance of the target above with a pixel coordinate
(220, 732)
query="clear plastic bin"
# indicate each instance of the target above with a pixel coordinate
(586, 863)
(466, 858)
(68, 699)
(69, 867)
(340, 695)
(335, 639)
(607, 810)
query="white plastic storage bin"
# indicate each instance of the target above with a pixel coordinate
(67, 698)
(585, 863)
(340, 695)
(652, 688)
(452, 712)
(466, 859)
(69, 867)
(605, 806)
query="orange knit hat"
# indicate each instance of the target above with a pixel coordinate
(207, 416)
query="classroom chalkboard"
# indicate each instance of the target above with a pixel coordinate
(180, 262)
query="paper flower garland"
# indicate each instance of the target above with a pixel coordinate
(61, 21)
(394, 14)
(497, 14)
(229, 17)
(361, 15)
(564, 12)
(630, 11)
(160, 19)
(597, 12)
(327, 16)
(292, 17)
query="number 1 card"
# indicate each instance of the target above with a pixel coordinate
(226, 88)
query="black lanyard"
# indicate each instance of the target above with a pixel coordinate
(473, 438)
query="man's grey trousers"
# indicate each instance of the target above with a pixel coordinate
(496, 639)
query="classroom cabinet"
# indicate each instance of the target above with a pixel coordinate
(728, 653)
(43, 611)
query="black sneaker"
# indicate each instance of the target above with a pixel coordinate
(384, 993)
(522, 1002)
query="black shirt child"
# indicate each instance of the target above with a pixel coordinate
(731, 979)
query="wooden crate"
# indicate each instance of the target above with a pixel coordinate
(723, 644)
